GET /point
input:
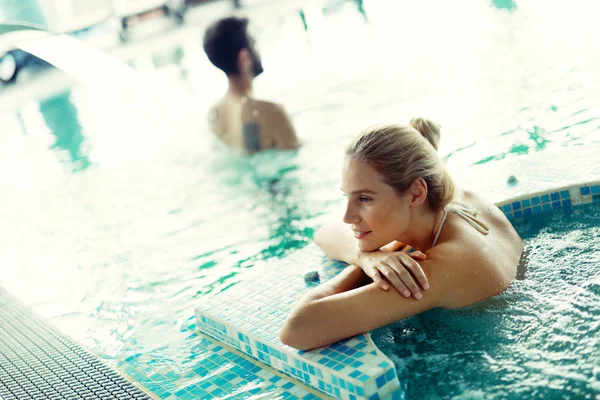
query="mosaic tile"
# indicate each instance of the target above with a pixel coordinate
(254, 317)
(560, 169)
(219, 373)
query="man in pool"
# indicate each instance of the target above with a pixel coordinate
(238, 119)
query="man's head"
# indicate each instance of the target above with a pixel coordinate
(231, 48)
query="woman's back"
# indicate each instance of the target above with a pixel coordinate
(484, 263)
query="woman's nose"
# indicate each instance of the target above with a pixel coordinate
(350, 217)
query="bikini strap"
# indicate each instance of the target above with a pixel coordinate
(467, 214)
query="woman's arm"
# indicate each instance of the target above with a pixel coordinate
(342, 309)
(292, 334)
(336, 240)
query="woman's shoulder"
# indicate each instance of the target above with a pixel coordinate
(488, 213)
(466, 273)
(475, 265)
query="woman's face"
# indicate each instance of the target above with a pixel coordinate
(375, 212)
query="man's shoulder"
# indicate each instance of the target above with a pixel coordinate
(216, 120)
(269, 106)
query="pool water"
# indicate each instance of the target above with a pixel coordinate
(114, 228)
(539, 339)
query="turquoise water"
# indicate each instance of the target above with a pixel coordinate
(114, 227)
(539, 339)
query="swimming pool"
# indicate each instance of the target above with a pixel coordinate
(132, 227)
(537, 339)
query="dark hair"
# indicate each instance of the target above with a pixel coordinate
(223, 41)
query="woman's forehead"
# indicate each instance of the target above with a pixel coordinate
(357, 173)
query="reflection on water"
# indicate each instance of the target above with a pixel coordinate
(158, 214)
(60, 115)
(509, 5)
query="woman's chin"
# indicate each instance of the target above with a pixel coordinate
(365, 246)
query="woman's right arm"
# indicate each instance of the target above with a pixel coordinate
(399, 269)
(337, 242)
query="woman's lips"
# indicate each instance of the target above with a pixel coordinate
(361, 235)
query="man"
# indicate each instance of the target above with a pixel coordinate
(238, 119)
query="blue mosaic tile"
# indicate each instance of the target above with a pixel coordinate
(238, 375)
(565, 194)
(555, 196)
(546, 198)
(516, 206)
(240, 313)
(526, 203)
(535, 201)
(518, 214)
(596, 189)
(380, 381)
(585, 190)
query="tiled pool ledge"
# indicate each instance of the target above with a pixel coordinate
(210, 371)
(565, 198)
(248, 316)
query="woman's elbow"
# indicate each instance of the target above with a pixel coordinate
(297, 332)
(319, 237)
(294, 338)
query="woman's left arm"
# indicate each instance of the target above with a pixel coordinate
(341, 308)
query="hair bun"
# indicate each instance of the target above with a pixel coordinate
(429, 129)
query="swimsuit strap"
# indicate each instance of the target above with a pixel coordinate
(468, 215)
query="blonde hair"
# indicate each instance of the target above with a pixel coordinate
(401, 154)
(428, 128)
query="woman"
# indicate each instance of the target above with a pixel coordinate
(399, 192)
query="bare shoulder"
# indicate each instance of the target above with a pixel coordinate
(276, 125)
(460, 276)
(469, 266)
(269, 107)
(214, 117)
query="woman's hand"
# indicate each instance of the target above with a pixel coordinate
(399, 269)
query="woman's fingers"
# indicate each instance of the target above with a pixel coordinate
(374, 274)
(392, 276)
(407, 279)
(416, 271)
(417, 255)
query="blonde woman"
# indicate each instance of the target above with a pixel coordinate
(398, 191)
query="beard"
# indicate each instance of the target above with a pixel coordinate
(257, 67)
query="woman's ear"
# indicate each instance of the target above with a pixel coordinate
(418, 192)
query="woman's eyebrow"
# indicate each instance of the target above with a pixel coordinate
(366, 191)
